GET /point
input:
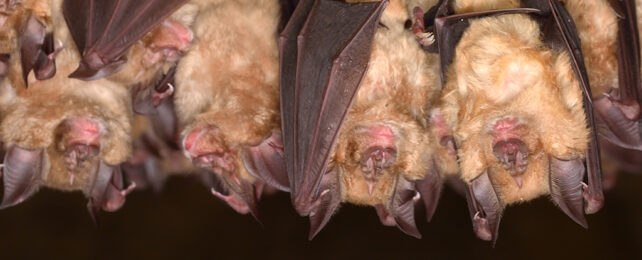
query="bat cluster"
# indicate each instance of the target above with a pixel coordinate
(373, 103)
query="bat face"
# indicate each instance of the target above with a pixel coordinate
(516, 113)
(227, 97)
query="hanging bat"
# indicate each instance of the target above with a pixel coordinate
(227, 100)
(610, 42)
(356, 91)
(65, 133)
(519, 107)
(610, 39)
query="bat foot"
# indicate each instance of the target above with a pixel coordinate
(158, 97)
(481, 227)
(592, 202)
(238, 205)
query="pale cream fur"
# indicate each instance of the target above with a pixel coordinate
(399, 88)
(229, 78)
(502, 70)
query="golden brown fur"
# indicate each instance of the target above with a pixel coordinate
(32, 116)
(398, 91)
(502, 70)
(229, 78)
(597, 28)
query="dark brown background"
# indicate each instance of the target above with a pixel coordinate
(185, 221)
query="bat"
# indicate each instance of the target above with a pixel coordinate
(519, 133)
(98, 32)
(64, 133)
(610, 42)
(613, 64)
(355, 112)
(226, 99)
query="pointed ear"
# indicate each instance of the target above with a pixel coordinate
(266, 161)
(22, 173)
(328, 200)
(402, 206)
(430, 189)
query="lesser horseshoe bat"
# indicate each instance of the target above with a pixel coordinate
(515, 106)
(60, 132)
(227, 100)
(356, 93)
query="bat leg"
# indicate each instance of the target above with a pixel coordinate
(22, 171)
(426, 39)
(485, 207)
(567, 188)
(158, 97)
(266, 161)
(233, 201)
(115, 194)
(513, 155)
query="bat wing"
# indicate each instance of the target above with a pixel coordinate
(430, 189)
(98, 192)
(619, 112)
(567, 37)
(103, 30)
(322, 64)
(485, 207)
(22, 172)
(37, 50)
(402, 206)
(266, 162)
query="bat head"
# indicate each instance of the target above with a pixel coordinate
(209, 151)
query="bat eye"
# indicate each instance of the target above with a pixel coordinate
(407, 24)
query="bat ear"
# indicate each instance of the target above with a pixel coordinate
(266, 161)
(430, 189)
(22, 173)
(328, 200)
(566, 188)
(403, 206)
(37, 50)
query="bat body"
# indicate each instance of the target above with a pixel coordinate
(368, 147)
(516, 110)
(611, 54)
(65, 133)
(227, 98)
